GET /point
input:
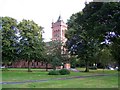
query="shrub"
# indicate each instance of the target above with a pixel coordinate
(64, 71)
(54, 72)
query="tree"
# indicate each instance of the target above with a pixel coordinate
(79, 43)
(56, 62)
(9, 39)
(47, 54)
(93, 26)
(105, 57)
(105, 22)
(53, 53)
(115, 52)
(73, 61)
(31, 44)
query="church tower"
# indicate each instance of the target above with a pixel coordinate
(58, 30)
(58, 34)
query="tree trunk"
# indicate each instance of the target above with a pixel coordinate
(87, 66)
(54, 67)
(29, 66)
(46, 66)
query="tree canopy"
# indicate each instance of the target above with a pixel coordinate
(31, 45)
(9, 39)
(21, 40)
(94, 25)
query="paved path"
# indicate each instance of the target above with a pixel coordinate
(46, 80)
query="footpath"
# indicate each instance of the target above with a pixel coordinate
(53, 79)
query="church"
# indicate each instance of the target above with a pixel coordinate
(58, 34)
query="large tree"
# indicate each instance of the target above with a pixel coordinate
(31, 45)
(104, 25)
(9, 39)
(93, 26)
(79, 43)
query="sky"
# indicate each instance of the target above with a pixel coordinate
(42, 12)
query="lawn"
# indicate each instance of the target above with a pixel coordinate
(16, 75)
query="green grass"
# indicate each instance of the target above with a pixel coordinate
(37, 74)
(22, 75)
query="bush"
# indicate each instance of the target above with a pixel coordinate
(53, 72)
(64, 71)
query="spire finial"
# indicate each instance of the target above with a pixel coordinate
(59, 18)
